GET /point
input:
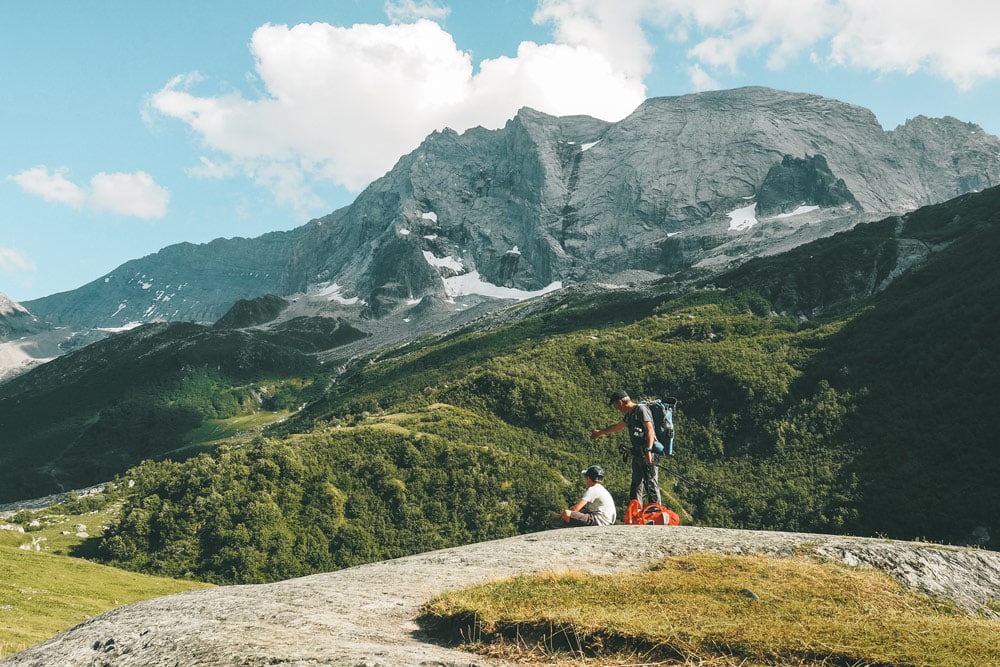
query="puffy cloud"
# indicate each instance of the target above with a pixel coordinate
(51, 186)
(701, 80)
(133, 195)
(401, 11)
(959, 44)
(343, 104)
(557, 79)
(612, 29)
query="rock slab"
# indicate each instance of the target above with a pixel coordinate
(366, 615)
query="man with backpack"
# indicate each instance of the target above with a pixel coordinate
(595, 508)
(639, 421)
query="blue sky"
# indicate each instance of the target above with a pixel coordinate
(128, 126)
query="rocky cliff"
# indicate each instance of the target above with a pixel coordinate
(366, 615)
(27, 341)
(15, 320)
(699, 180)
(560, 200)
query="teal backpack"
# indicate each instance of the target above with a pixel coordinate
(663, 424)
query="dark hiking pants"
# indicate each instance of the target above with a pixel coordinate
(644, 481)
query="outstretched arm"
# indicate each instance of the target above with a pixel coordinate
(614, 428)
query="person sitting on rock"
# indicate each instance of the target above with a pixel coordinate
(595, 508)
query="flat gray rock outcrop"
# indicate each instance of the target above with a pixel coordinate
(365, 615)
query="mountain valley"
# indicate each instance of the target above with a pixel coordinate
(806, 349)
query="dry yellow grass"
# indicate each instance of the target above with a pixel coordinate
(713, 610)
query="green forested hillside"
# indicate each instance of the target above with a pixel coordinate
(84, 417)
(871, 419)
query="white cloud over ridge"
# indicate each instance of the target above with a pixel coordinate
(132, 195)
(342, 104)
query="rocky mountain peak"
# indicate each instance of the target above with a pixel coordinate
(10, 307)
(705, 180)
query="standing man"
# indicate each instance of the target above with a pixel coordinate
(595, 508)
(639, 422)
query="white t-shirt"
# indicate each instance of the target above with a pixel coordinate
(600, 503)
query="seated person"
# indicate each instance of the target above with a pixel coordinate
(595, 508)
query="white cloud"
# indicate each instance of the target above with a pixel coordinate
(12, 260)
(782, 30)
(343, 104)
(51, 186)
(287, 182)
(554, 78)
(133, 195)
(959, 43)
(611, 29)
(701, 80)
(211, 169)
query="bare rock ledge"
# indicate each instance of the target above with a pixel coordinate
(365, 615)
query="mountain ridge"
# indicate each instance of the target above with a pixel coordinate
(548, 200)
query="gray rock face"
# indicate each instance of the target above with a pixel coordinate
(799, 180)
(15, 320)
(682, 181)
(183, 282)
(573, 199)
(27, 341)
(365, 615)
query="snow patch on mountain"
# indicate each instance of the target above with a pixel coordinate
(453, 263)
(799, 211)
(333, 292)
(743, 219)
(471, 283)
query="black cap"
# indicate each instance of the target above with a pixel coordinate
(595, 473)
(620, 395)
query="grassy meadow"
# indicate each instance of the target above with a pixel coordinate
(44, 591)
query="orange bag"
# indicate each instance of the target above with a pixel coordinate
(653, 514)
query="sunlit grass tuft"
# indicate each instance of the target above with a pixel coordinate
(708, 609)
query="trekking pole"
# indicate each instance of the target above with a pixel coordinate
(681, 477)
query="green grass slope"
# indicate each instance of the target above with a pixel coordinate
(43, 591)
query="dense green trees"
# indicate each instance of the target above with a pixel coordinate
(337, 497)
(413, 456)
